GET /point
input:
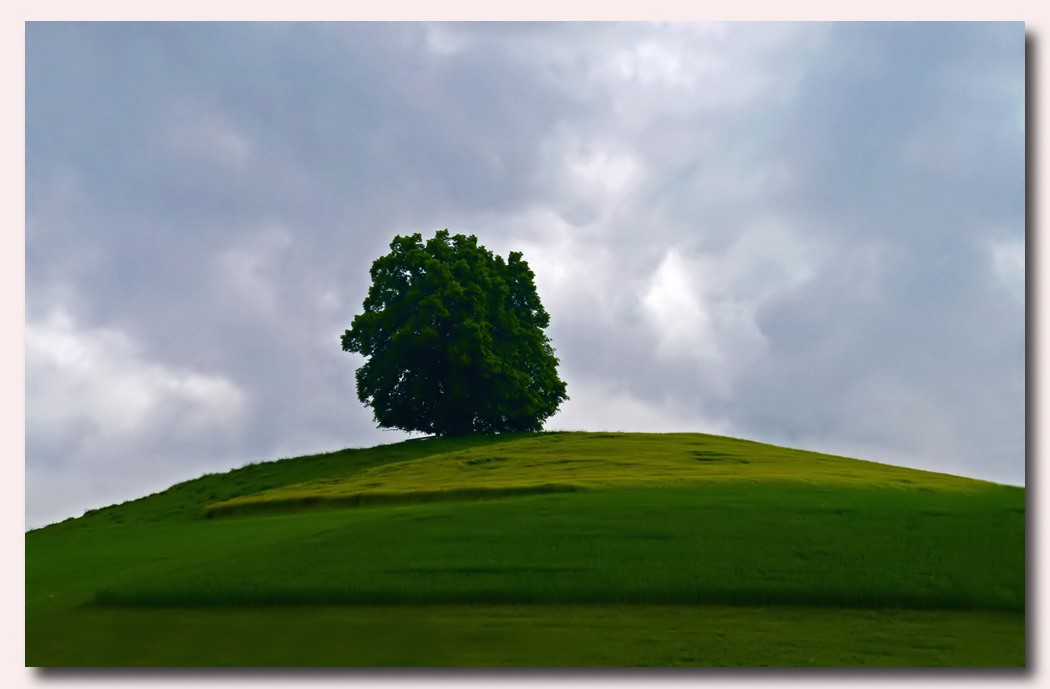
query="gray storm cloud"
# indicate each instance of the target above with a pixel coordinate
(810, 234)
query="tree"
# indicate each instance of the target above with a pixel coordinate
(455, 340)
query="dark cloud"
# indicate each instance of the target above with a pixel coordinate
(907, 291)
(906, 131)
(800, 233)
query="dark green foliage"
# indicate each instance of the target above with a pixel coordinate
(455, 340)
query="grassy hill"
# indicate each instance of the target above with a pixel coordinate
(546, 549)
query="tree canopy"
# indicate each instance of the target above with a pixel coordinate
(454, 339)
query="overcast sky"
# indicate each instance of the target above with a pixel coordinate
(805, 234)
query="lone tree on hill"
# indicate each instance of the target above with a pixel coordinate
(455, 340)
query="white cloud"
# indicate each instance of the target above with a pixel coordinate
(100, 378)
(703, 305)
(604, 406)
(603, 170)
(651, 62)
(95, 401)
(575, 274)
(444, 39)
(248, 274)
(687, 68)
(1008, 264)
(673, 302)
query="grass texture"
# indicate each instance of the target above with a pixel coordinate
(581, 461)
(674, 548)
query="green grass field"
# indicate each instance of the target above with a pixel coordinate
(552, 549)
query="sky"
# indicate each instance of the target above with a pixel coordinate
(808, 234)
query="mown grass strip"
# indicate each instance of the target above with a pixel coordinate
(240, 597)
(188, 500)
(290, 503)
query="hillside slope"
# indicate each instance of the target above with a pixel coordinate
(499, 465)
(594, 519)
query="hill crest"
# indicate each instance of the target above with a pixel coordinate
(490, 466)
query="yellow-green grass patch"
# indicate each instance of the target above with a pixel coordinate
(558, 462)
